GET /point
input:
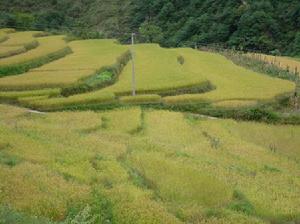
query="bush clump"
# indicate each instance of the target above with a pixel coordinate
(180, 59)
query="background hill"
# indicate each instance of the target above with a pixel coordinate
(270, 26)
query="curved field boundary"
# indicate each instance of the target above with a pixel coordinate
(202, 87)
(88, 56)
(61, 103)
(34, 63)
(7, 51)
(13, 96)
(26, 39)
(3, 37)
(50, 48)
(94, 82)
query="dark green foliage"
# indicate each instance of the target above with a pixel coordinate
(296, 46)
(26, 66)
(258, 114)
(8, 160)
(271, 169)
(150, 33)
(180, 59)
(7, 215)
(261, 25)
(241, 204)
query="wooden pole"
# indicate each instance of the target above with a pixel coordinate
(133, 65)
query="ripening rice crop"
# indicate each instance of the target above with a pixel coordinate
(164, 73)
(7, 51)
(157, 70)
(47, 45)
(73, 101)
(231, 81)
(7, 30)
(235, 103)
(3, 36)
(22, 39)
(88, 57)
(150, 98)
(134, 166)
(14, 95)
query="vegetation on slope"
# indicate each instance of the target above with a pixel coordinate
(87, 58)
(142, 167)
(258, 25)
(50, 48)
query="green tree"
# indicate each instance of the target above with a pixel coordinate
(296, 48)
(150, 33)
(24, 21)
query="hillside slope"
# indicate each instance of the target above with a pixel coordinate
(244, 24)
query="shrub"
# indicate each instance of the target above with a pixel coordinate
(180, 59)
(241, 204)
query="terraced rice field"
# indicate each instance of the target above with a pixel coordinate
(232, 83)
(87, 57)
(133, 165)
(142, 167)
(47, 45)
(21, 38)
(154, 75)
(7, 51)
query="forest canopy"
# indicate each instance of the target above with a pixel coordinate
(269, 26)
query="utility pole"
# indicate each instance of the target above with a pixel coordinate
(133, 65)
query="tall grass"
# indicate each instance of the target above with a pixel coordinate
(170, 172)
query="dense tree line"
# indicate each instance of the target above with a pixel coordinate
(271, 26)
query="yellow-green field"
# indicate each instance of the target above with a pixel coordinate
(7, 51)
(157, 69)
(20, 38)
(134, 166)
(232, 82)
(158, 74)
(47, 45)
(88, 56)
